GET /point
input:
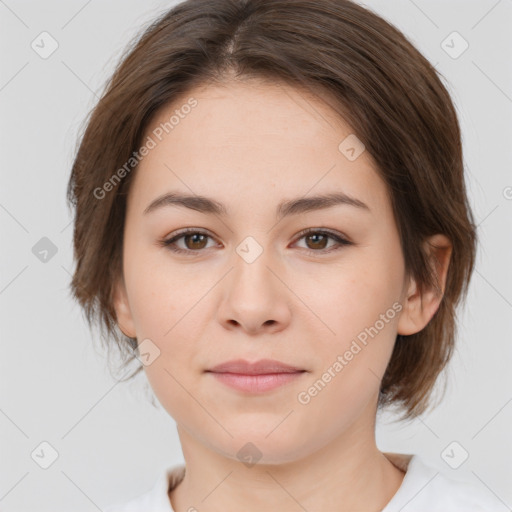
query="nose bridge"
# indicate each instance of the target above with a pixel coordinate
(254, 297)
(251, 273)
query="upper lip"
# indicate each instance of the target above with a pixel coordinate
(261, 367)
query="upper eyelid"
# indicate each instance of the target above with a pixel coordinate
(303, 232)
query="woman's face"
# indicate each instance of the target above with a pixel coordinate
(251, 284)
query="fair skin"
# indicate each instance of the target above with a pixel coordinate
(251, 146)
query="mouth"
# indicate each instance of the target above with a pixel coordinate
(257, 377)
(261, 367)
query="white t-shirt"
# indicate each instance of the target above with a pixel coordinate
(423, 489)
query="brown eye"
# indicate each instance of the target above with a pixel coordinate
(195, 241)
(192, 241)
(316, 241)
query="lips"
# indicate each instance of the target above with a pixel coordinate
(255, 378)
(261, 367)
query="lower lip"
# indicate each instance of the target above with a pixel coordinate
(256, 383)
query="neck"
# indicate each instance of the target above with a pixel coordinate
(347, 474)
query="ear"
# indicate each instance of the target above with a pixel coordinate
(420, 307)
(122, 308)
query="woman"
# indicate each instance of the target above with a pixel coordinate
(271, 213)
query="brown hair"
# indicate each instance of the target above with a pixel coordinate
(388, 93)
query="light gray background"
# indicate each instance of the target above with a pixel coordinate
(55, 386)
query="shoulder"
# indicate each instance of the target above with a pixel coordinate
(426, 488)
(155, 499)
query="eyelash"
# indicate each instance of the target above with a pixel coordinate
(169, 243)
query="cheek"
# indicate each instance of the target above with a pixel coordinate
(163, 307)
(158, 291)
(359, 304)
(164, 300)
(353, 297)
(351, 363)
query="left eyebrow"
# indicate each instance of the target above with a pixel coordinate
(319, 202)
(286, 208)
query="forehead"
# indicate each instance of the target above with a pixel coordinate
(231, 113)
(244, 140)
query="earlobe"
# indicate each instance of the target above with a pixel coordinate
(419, 306)
(122, 309)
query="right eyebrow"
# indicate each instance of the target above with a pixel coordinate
(199, 203)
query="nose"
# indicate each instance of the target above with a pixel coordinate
(254, 298)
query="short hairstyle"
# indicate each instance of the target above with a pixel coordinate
(374, 78)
